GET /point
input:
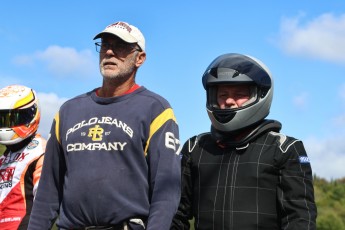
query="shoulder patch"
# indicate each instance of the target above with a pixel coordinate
(304, 160)
(33, 144)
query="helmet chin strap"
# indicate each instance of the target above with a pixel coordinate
(242, 137)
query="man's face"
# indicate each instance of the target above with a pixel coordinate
(117, 58)
(232, 96)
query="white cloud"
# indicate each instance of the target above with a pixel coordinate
(301, 101)
(62, 61)
(328, 153)
(24, 60)
(327, 156)
(321, 38)
(49, 104)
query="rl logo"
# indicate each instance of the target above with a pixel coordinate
(96, 133)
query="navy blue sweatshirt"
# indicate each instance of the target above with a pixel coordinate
(109, 160)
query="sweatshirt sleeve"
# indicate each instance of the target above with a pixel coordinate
(49, 193)
(296, 192)
(164, 168)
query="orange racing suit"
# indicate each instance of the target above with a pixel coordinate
(20, 170)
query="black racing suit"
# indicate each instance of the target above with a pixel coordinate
(265, 184)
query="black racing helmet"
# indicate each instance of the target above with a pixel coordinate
(238, 69)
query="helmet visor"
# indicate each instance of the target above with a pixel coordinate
(16, 117)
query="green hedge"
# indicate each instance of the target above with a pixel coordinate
(2, 149)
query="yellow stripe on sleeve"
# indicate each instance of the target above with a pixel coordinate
(158, 122)
(57, 124)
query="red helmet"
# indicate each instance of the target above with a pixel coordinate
(19, 114)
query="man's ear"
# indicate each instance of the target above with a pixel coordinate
(141, 57)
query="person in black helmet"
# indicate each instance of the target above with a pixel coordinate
(244, 174)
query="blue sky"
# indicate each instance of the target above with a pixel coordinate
(48, 46)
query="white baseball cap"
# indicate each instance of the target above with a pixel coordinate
(126, 32)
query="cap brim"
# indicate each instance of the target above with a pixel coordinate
(123, 36)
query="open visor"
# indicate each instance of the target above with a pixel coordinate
(16, 117)
(212, 101)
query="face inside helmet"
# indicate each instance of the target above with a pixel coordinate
(233, 97)
(226, 100)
